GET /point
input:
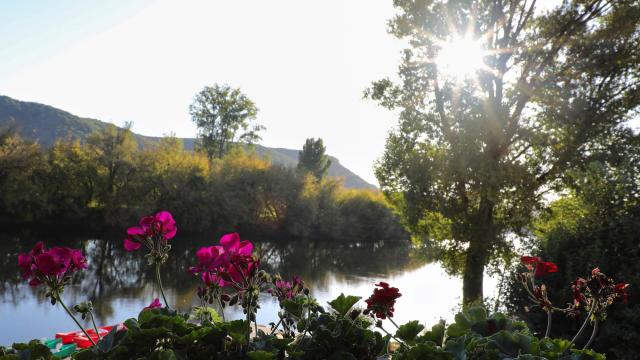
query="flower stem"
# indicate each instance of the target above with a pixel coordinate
(394, 323)
(546, 333)
(394, 338)
(94, 325)
(584, 325)
(593, 334)
(159, 280)
(221, 309)
(276, 327)
(59, 299)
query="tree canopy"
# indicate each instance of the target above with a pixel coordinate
(473, 156)
(313, 159)
(224, 117)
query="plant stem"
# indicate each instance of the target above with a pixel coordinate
(593, 334)
(249, 321)
(546, 333)
(394, 338)
(94, 325)
(159, 280)
(584, 325)
(221, 309)
(276, 327)
(59, 299)
(394, 323)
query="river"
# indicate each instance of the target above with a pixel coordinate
(120, 284)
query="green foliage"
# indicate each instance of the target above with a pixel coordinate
(34, 350)
(409, 332)
(477, 335)
(335, 336)
(109, 180)
(312, 159)
(47, 125)
(471, 157)
(165, 334)
(223, 116)
(595, 224)
(21, 175)
(342, 304)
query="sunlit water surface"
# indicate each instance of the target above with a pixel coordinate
(120, 284)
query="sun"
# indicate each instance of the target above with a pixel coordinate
(460, 57)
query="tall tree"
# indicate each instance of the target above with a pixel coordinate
(114, 150)
(312, 159)
(497, 100)
(224, 117)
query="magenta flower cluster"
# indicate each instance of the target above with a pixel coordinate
(286, 290)
(50, 266)
(229, 263)
(160, 226)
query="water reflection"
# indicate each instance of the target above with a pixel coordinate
(120, 284)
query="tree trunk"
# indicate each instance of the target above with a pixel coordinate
(477, 254)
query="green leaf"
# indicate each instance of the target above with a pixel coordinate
(260, 355)
(342, 304)
(436, 335)
(409, 331)
(164, 355)
(293, 307)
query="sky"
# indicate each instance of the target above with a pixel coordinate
(305, 64)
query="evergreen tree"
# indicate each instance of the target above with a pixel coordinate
(312, 159)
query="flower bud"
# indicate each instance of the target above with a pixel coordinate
(354, 314)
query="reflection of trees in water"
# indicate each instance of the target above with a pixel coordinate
(115, 274)
(318, 262)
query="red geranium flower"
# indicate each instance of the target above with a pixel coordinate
(530, 261)
(545, 267)
(577, 287)
(383, 300)
(621, 291)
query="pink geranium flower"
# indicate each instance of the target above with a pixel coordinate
(227, 263)
(161, 226)
(50, 266)
(155, 304)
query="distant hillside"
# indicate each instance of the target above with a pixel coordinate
(45, 124)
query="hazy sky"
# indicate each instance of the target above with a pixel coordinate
(304, 63)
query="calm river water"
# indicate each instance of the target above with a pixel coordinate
(120, 284)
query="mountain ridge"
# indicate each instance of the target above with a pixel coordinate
(45, 124)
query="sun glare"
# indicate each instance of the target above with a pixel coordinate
(460, 58)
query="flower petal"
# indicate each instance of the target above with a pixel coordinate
(245, 248)
(136, 231)
(230, 241)
(131, 245)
